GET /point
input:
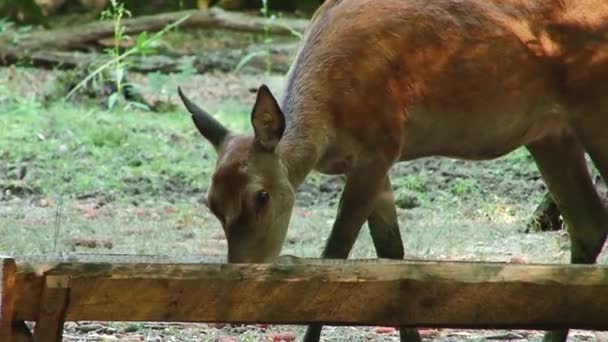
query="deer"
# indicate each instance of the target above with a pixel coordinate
(377, 82)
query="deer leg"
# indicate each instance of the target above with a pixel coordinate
(591, 131)
(561, 161)
(384, 226)
(384, 229)
(363, 185)
(358, 201)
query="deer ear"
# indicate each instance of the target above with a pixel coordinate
(267, 120)
(210, 128)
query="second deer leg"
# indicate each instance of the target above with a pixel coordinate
(363, 186)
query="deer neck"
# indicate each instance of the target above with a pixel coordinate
(299, 151)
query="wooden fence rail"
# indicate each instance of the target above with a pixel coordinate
(299, 291)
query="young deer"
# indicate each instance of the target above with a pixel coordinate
(381, 81)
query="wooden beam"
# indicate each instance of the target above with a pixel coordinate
(295, 291)
(8, 271)
(53, 305)
(11, 330)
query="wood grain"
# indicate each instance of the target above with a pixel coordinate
(7, 299)
(53, 305)
(359, 292)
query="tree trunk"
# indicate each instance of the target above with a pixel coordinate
(546, 217)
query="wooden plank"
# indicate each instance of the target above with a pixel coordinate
(11, 330)
(363, 292)
(7, 298)
(53, 305)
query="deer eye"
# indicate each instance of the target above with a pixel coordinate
(260, 199)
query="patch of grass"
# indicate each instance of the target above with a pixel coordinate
(465, 186)
(74, 152)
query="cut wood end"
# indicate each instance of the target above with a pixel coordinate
(58, 281)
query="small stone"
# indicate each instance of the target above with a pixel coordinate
(45, 203)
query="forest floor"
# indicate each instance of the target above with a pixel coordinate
(76, 177)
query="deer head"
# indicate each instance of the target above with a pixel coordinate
(250, 192)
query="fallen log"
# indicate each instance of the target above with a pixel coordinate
(85, 35)
(220, 60)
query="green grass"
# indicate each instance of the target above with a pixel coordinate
(74, 151)
(76, 156)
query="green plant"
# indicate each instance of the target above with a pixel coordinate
(463, 186)
(270, 19)
(13, 103)
(116, 12)
(14, 32)
(267, 37)
(118, 63)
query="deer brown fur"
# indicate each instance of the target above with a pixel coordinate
(381, 81)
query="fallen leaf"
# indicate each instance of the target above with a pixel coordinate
(90, 213)
(428, 332)
(283, 336)
(140, 213)
(385, 330)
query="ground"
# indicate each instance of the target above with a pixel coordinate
(76, 177)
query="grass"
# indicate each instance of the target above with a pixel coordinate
(151, 168)
(76, 151)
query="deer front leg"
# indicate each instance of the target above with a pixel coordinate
(363, 184)
(366, 195)
(384, 225)
(384, 229)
